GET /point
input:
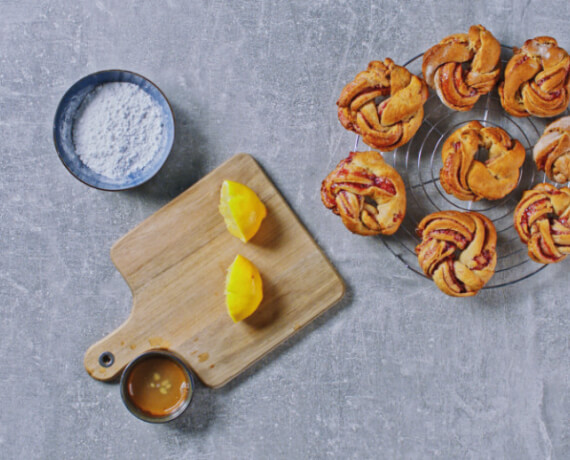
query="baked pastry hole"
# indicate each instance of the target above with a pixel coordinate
(482, 154)
(378, 100)
(369, 200)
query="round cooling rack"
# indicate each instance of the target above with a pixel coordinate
(419, 162)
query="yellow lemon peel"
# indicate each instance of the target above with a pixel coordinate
(244, 289)
(241, 209)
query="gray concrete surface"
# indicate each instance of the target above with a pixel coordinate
(396, 370)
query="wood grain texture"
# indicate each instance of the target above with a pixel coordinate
(175, 263)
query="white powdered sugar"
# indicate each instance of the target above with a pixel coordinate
(118, 129)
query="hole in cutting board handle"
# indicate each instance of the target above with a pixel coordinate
(106, 359)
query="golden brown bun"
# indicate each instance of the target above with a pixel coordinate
(537, 79)
(470, 179)
(542, 222)
(396, 119)
(552, 151)
(442, 67)
(367, 193)
(472, 236)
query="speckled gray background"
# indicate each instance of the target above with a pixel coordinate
(396, 370)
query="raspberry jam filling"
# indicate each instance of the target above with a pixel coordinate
(531, 210)
(483, 260)
(555, 192)
(459, 78)
(460, 285)
(458, 237)
(373, 181)
(521, 61)
(343, 203)
(544, 95)
(398, 216)
(546, 251)
(541, 161)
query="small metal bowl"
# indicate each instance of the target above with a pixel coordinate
(139, 412)
(65, 117)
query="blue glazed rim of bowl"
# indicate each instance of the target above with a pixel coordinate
(65, 117)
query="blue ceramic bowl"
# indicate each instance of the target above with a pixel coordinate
(63, 130)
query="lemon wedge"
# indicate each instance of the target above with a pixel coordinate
(244, 290)
(242, 210)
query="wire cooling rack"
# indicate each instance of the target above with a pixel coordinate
(419, 162)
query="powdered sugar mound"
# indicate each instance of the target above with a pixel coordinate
(118, 129)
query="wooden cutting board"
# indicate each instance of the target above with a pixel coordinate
(175, 263)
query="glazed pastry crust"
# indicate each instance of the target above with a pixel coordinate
(443, 67)
(537, 79)
(552, 151)
(367, 193)
(392, 122)
(470, 235)
(542, 221)
(469, 179)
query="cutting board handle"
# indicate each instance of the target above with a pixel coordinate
(106, 359)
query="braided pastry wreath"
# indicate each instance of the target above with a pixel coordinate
(542, 221)
(537, 79)
(392, 122)
(469, 179)
(367, 193)
(442, 67)
(552, 151)
(472, 236)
